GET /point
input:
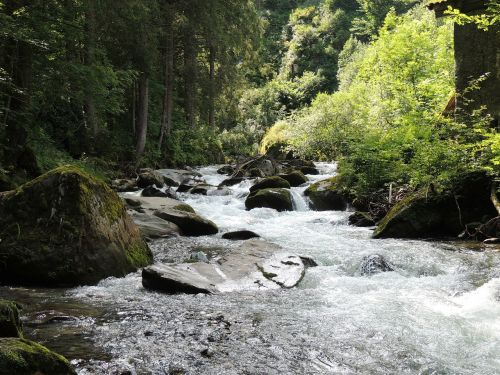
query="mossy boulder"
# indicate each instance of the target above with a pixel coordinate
(278, 199)
(294, 178)
(428, 214)
(24, 357)
(326, 195)
(191, 224)
(10, 324)
(67, 228)
(148, 177)
(270, 182)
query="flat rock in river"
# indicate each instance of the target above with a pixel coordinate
(255, 265)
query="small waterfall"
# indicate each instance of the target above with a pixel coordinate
(299, 202)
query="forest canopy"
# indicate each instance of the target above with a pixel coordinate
(191, 82)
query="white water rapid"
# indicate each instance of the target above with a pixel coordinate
(437, 313)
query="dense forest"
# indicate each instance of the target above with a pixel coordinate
(172, 83)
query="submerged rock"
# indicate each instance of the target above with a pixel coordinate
(325, 195)
(278, 199)
(373, 264)
(294, 178)
(10, 324)
(24, 357)
(240, 235)
(255, 265)
(67, 228)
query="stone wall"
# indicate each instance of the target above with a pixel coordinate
(478, 52)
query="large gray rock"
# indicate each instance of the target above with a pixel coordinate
(67, 227)
(172, 211)
(152, 226)
(255, 265)
(278, 199)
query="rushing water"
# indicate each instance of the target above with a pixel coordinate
(437, 313)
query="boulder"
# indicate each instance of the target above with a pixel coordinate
(240, 235)
(231, 181)
(309, 170)
(172, 211)
(226, 169)
(202, 189)
(24, 357)
(294, 178)
(151, 191)
(174, 177)
(191, 224)
(67, 228)
(325, 195)
(189, 183)
(278, 199)
(6, 182)
(430, 214)
(10, 324)
(256, 167)
(152, 226)
(373, 264)
(270, 182)
(361, 219)
(124, 185)
(255, 265)
(148, 177)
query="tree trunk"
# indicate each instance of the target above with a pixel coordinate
(143, 108)
(189, 75)
(90, 29)
(212, 89)
(168, 101)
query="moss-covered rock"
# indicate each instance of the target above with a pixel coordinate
(67, 228)
(24, 357)
(432, 215)
(274, 182)
(326, 195)
(191, 224)
(148, 177)
(10, 324)
(278, 199)
(294, 178)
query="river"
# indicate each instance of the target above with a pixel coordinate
(438, 312)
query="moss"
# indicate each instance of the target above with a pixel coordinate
(10, 324)
(330, 184)
(24, 357)
(139, 255)
(295, 178)
(67, 227)
(185, 208)
(271, 182)
(278, 199)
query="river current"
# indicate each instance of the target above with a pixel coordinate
(438, 312)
